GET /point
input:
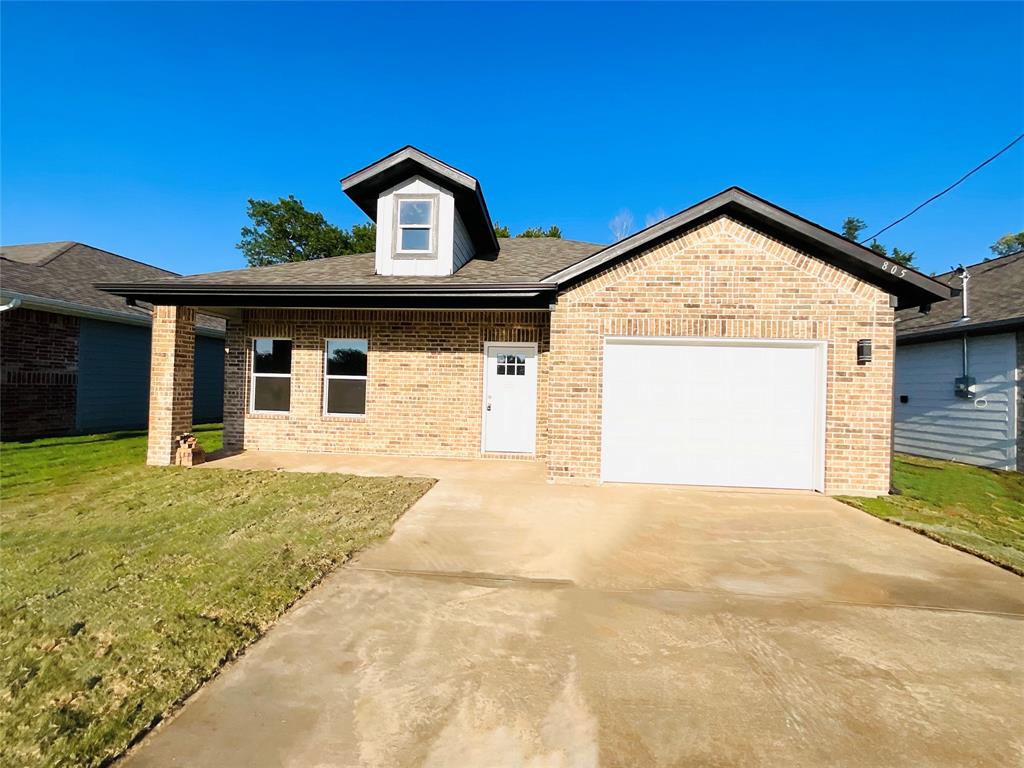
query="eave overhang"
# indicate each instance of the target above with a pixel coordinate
(366, 185)
(391, 296)
(909, 286)
(138, 316)
(956, 330)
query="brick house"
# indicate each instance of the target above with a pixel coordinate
(733, 343)
(74, 359)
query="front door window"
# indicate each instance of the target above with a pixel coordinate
(511, 365)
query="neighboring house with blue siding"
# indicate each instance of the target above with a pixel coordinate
(959, 381)
(74, 359)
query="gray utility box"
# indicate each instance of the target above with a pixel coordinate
(963, 387)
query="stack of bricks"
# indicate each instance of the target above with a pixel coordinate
(189, 452)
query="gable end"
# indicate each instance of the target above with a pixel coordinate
(909, 286)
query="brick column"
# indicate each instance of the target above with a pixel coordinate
(171, 369)
(235, 384)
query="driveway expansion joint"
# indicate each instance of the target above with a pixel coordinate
(469, 576)
(512, 580)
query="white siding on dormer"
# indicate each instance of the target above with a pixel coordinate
(444, 262)
(463, 247)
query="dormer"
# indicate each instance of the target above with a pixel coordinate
(431, 218)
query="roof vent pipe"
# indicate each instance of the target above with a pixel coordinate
(965, 306)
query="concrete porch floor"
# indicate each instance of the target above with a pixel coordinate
(385, 466)
(510, 622)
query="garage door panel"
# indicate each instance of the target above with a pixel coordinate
(710, 414)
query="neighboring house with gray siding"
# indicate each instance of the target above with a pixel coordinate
(74, 359)
(959, 380)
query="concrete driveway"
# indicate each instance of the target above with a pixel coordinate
(509, 622)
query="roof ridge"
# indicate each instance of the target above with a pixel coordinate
(248, 268)
(69, 244)
(982, 263)
(41, 242)
(121, 256)
(997, 258)
(557, 239)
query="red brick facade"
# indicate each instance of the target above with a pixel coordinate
(39, 373)
(425, 369)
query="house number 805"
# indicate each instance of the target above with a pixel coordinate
(894, 269)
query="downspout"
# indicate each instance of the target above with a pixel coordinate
(12, 304)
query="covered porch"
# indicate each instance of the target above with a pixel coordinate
(384, 382)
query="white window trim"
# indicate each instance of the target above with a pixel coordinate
(431, 227)
(253, 376)
(328, 377)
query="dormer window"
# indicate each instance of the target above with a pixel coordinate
(431, 218)
(416, 232)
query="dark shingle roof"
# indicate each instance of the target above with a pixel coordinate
(526, 270)
(995, 295)
(520, 260)
(66, 271)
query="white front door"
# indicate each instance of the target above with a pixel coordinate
(510, 398)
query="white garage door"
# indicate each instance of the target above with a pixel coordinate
(711, 412)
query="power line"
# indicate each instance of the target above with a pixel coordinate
(947, 189)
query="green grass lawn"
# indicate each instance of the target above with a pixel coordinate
(980, 511)
(124, 587)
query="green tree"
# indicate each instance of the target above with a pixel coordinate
(906, 258)
(852, 227)
(552, 231)
(1007, 244)
(362, 238)
(500, 230)
(285, 231)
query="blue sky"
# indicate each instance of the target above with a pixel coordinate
(143, 128)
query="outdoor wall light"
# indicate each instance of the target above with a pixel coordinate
(863, 351)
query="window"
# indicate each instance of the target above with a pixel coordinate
(271, 376)
(511, 365)
(345, 377)
(415, 226)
